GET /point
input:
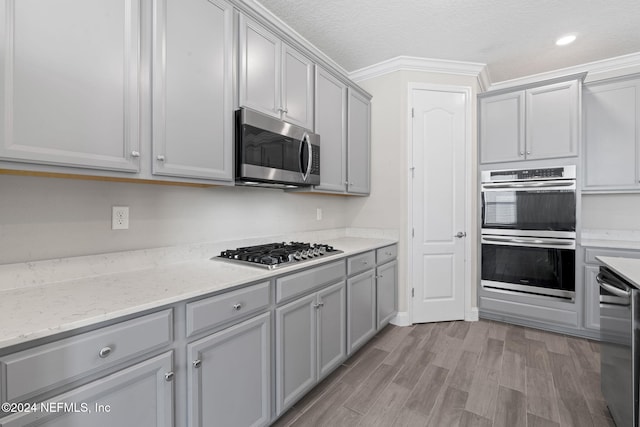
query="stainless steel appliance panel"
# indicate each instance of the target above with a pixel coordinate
(619, 316)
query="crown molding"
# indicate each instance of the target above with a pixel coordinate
(411, 63)
(597, 70)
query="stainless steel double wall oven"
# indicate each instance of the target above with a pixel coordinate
(529, 231)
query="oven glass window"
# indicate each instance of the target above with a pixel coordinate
(542, 267)
(270, 150)
(529, 210)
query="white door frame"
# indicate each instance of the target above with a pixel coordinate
(466, 90)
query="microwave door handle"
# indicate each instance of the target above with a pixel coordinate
(526, 241)
(612, 289)
(305, 140)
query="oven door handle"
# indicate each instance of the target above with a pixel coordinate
(530, 184)
(524, 240)
(613, 289)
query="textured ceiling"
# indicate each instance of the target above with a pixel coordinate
(515, 38)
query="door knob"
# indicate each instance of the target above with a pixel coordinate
(460, 234)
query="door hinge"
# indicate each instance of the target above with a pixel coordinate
(412, 113)
(413, 292)
(413, 232)
(413, 171)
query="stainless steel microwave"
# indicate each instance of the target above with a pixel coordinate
(273, 153)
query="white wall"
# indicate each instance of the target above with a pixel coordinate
(611, 212)
(388, 204)
(45, 218)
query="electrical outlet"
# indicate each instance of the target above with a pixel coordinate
(120, 218)
(318, 214)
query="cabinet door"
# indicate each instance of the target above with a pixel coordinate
(331, 125)
(69, 76)
(192, 98)
(611, 114)
(591, 298)
(297, 88)
(502, 128)
(295, 351)
(260, 62)
(138, 396)
(332, 328)
(361, 310)
(386, 282)
(553, 121)
(229, 377)
(358, 143)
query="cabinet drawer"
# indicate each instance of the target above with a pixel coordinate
(361, 263)
(214, 311)
(590, 254)
(386, 254)
(45, 367)
(299, 283)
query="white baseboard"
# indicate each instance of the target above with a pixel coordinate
(401, 319)
(472, 315)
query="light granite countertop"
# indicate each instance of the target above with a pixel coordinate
(82, 293)
(626, 267)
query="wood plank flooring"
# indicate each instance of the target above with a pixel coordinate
(461, 374)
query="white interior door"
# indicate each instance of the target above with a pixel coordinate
(439, 129)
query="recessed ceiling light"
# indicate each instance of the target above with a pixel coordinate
(565, 40)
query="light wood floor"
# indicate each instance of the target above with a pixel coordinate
(461, 374)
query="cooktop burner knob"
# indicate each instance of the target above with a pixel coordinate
(297, 255)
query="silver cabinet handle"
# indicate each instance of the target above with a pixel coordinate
(388, 253)
(237, 307)
(168, 376)
(379, 277)
(318, 305)
(622, 293)
(135, 154)
(460, 234)
(160, 158)
(521, 153)
(364, 261)
(528, 152)
(104, 352)
(197, 363)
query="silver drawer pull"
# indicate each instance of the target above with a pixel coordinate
(104, 352)
(237, 307)
(160, 158)
(168, 376)
(197, 363)
(365, 262)
(388, 253)
(135, 154)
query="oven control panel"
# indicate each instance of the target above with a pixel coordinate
(561, 172)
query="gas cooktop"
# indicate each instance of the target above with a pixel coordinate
(274, 255)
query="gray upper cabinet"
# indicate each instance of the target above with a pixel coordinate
(275, 79)
(141, 395)
(502, 128)
(69, 83)
(537, 123)
(359, 143)
(331, 125)
(193, 89)
(553, 120)
(229, 377)
(611, 135)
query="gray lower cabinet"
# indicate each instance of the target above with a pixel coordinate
(361, 309)
(140, 396)
(193, 89)
(591, 298)
(310, 342)
(386, 284)
(611, 135)
(229, 380)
